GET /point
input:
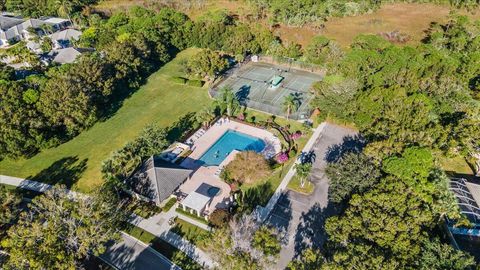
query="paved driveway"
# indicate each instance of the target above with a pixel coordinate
(131, 254)
(303, 217)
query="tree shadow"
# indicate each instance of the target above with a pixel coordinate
(242, 94)
(310, 232)
(281, 216)
(65, 171)
(257, 195)
(350, 144)
(181, 127)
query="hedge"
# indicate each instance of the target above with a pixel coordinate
(196, 83)
(179, 80)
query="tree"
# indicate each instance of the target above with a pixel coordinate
(354, 173)
(437, 255)
(321, 50)
(206, 63)
(59, 232)
(309, 259)
(303, 171)
(290, 104)
(227, 101)
(9, 208)
(205, 116)
(219, 218)
(47, 44)
(248, 167)
(266, 240)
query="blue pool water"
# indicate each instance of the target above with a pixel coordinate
(230, 140)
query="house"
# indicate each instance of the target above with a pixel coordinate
(467, 193)
(156, 180)
(14, 29)
(67, 55)
(62, 39)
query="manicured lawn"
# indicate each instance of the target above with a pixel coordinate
(295, 184)
(455, 164)
(77, 163)
(172, 253)
(192, 233)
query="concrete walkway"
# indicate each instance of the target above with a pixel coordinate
(262, 213)
(156, 225)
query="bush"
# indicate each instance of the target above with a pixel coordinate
(196, 83)
(219, 218)
(179, 80)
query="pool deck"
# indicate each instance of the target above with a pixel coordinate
(202, 144)
(207, 175)
(210, 174)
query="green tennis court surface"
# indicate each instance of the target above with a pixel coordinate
(263, 87)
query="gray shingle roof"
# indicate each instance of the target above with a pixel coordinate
(158, 179)
(66, 34)
(7, 22)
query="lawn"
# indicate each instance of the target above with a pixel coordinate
(295, 184)
(192, 233)
(77, 163)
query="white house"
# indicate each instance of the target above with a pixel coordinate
(14, 29)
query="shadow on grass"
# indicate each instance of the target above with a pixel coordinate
(181, 127)
(65, 171)
(257, 195)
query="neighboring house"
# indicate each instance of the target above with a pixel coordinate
(156, 180)
(467, 193)
(62, 39)
(14, 29)
(67, 55)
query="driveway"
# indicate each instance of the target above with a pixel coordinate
(301, 216)
(131, 254)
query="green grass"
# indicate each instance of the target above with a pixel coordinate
(192, 216)
(171, 202)
(192, 233)
(295, 185)
(167, 250)
(455, 164)
(259, 193)
(78, 161)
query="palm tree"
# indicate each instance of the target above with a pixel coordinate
(303, 170)
(205, 116)
(290, 104)
(228, 101)
(65, 7)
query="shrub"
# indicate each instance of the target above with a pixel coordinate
(179, 80)
(219, 218)
(248, 167)
(195, 83)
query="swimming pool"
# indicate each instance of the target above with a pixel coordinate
(230, 140)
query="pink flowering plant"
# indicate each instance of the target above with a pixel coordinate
(282, 157)
(296, 135)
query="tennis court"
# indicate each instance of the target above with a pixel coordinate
(263, 87)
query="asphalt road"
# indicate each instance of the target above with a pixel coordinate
(303, 216)
(131, 254)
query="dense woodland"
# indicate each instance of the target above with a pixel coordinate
(411, 105)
